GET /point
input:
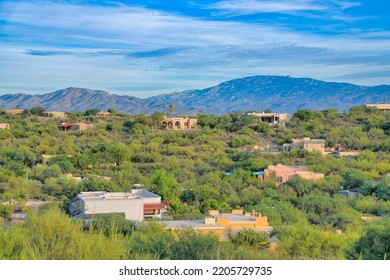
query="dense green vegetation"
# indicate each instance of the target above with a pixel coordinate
(188, 169)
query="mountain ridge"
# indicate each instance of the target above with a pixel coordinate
(254, 93)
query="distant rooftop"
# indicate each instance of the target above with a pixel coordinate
(308, 139)
(235, 217)
(264, 114)
(380, 106)
(281, 166)
(191, 224)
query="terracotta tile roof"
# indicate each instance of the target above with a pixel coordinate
(154, 206)
(68, 124)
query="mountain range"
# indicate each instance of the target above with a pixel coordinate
(257, 93)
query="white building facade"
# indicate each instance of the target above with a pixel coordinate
(136, 204)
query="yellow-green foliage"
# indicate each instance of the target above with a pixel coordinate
(305, 242)
(197, 170)
(51, 235)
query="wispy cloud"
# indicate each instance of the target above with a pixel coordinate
(365, 74)
(123, 47)
(157, 52)
(245, 7)
(137, 29)
(326, 9)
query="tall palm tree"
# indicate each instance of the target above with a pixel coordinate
(170, 108)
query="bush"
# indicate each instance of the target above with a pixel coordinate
(249, 237)
(112, 224)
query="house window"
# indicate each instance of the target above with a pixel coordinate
(279, 179)
(185, 123)
(177, 125)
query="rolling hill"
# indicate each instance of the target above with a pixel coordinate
(257, 93)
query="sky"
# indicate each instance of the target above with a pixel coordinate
(146, 48)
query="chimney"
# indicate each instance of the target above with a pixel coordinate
(209, 220)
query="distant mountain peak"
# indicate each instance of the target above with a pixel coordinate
(255, 93)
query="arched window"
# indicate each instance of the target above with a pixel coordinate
(177, 125)
(170, 125)
(164, 125)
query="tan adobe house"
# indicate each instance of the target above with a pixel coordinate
(272, 118)
(307, 144)
(383, 107)
(304, 143)
(56, 114)
(136, 204)
(85, 176)
(221, 224)
(4, 126)
(281, 173)
(103, 114)
(14, 111)
(72, 126)
(178, 123)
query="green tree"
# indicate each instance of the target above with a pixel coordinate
(151, 241)
(383, 189)
(164, 184)
(6, 211)
(51, 235)
(92, 112)
(38, 111)
(112, 224)
(249, 237)
(194, 246)
(374, 244)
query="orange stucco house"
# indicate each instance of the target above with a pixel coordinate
(72, 126)
(221, 224)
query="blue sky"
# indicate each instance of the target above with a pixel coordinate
(145, 48)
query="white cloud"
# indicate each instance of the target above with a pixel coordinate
(142, 29)
(245, 7)
(320, 9)
(122, 47)
(126, 25)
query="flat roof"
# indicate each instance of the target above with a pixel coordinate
(235, 217)
(191, 224)
(103, 195)
(22, 216)
(321, 141)
(144, 193)
(292, 167)
(262, 114)
(379, 105)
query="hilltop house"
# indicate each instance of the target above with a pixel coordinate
(281, 173)
(86, 176)
(382, 107)
(4, 126)
(272, 118)
(56, 114)
(179, 123)
(103, 114)
(305, 143)
(14, 111)
(136, 204)
(72, 126)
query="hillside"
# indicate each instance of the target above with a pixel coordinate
(257, 93)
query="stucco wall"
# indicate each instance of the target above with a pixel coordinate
(133, 209)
